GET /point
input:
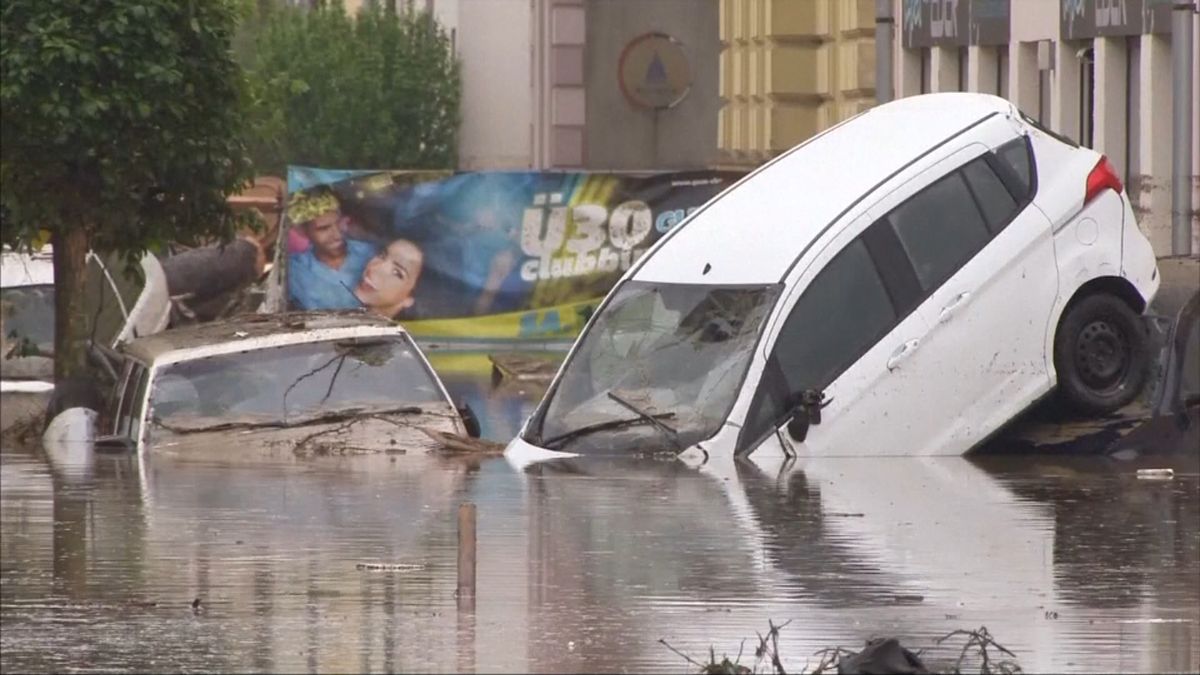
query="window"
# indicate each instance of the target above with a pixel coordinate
(843, 311)
(840, 316)
(1002, 71)
(1015, 155)
(962, 69)
(940, 229)
(129, 411)
(106, 317)
(994, 200)
(1087, 96)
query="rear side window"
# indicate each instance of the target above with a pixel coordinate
(940, 229)
(1016, 157)
(994, 199)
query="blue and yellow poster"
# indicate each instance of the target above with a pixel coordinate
(478, 256)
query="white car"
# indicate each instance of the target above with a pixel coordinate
(296, 384)
(121, 308)
(911, 279)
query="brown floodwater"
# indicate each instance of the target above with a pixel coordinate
(1073, 564)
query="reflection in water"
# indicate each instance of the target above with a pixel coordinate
(586, 564)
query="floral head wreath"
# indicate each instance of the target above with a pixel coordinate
(303, 208)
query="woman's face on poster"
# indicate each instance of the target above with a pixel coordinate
(389, 278)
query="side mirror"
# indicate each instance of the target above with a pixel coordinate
(806, 412)
(469, 420)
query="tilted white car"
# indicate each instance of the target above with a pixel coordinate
(932, 267)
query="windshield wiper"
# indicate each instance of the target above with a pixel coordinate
(323, 417)
(671, 433)
(561, 439)
(642, 418)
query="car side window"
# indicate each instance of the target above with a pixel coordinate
(994, 200)
(1016, 159)
(106, 317)
(940, 229)
(844, 311)
(129, 412)
(127, 283)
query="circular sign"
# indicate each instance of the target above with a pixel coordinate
(654, 72)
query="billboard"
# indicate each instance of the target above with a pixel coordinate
(478, 256)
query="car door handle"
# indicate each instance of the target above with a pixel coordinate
(956, 304)
(902, 352)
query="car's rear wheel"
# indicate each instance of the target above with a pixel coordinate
(1102, 355)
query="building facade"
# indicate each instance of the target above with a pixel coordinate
(588, 84)
(790, 68)
(1096, 71)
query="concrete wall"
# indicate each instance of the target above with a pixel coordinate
(622, 136)
(493, 39)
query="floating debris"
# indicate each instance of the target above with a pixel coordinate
(461, 445)
(389, 567)
(879, 655)
(1156, 474)
(523, 367)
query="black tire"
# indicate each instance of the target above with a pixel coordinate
(1102, 355)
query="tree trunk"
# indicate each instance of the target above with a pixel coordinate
(70, 314)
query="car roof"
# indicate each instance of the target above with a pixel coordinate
(254, 331)
(26, 269)
(754, 232)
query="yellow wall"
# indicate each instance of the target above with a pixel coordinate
(790, 68)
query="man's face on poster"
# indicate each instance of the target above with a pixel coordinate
(325, 233)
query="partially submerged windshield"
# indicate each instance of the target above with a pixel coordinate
(287, 384)
(659, 368)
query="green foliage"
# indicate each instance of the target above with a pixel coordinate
(379, 90)
(120, 117)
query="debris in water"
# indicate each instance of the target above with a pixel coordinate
(879, 655)
(455, 444)
(1156, 474)
(389, 567)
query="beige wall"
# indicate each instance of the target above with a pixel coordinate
(494, 39)
(790, 69)
(1033, 20)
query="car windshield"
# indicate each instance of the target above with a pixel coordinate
(658, 369)
(289, 384)
(27, 319)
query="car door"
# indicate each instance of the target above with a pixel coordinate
(850, 333)
(983, 257)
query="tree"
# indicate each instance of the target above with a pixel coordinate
(120, 130)
(379, 90)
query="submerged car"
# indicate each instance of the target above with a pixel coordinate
(910, 279)
(121, 307)
(302, 383)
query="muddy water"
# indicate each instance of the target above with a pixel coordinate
(1073, 565)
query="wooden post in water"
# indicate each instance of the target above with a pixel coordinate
(466, 555)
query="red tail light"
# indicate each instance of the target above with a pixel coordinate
(1102, 177)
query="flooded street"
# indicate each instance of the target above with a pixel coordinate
(1074, 565)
